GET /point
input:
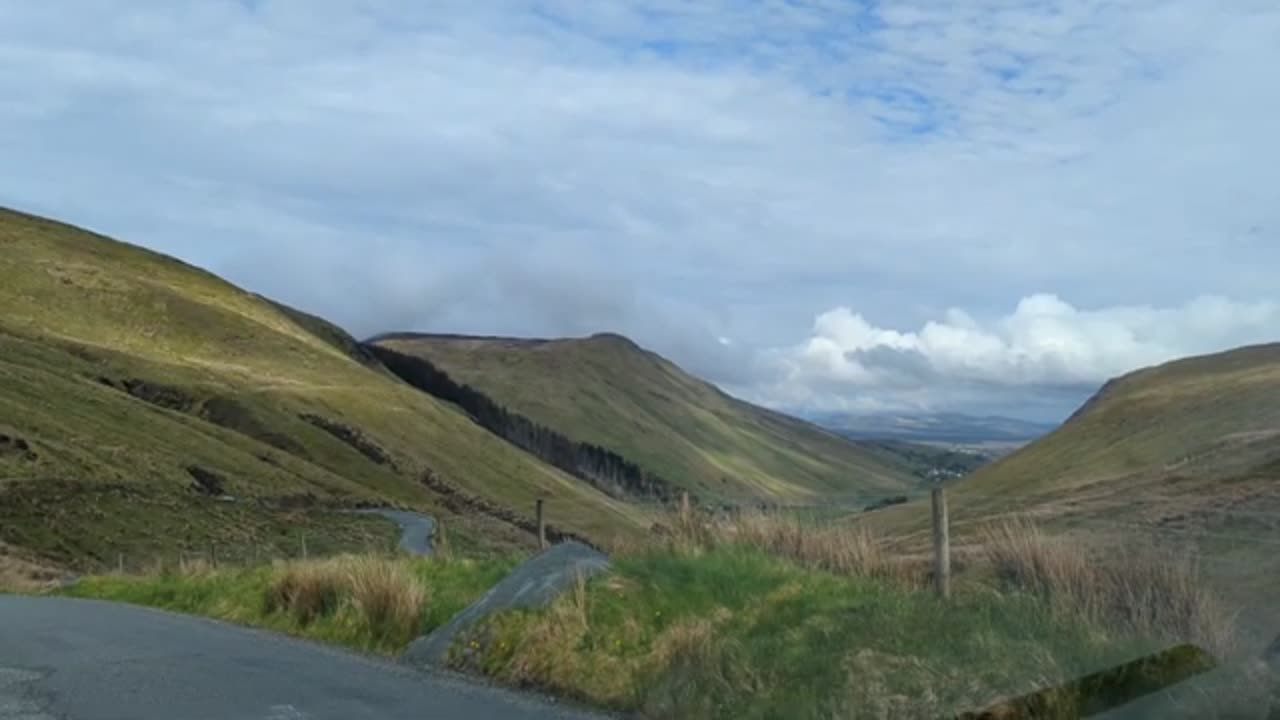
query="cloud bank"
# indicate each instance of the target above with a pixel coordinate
(1045, 344)
(684, 172)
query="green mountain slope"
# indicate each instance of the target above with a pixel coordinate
(607, 391)
(1166, 444)
(1185, 455)
(134, 387)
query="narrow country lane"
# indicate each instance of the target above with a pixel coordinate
(68, 659)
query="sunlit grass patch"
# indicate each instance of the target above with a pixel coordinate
(368, 602)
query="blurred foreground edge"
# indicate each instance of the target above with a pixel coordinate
(1102, 691)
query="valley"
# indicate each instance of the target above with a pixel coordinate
(205, 447)
(133, 385)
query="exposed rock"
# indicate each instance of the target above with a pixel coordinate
(351, 436)
(164, 396)
(232, 414)
(208, 481)
(18, 447)
(535, 582)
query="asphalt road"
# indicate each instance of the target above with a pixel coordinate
(415, 529)
(68, 659)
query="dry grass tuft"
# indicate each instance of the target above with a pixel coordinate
(838, 548)
(307, 589)
(194, 567)
(385, 593)
(381, 590)
(1152, 593)
(19, 574)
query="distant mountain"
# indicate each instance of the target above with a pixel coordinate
(952, 428)
(621, 413)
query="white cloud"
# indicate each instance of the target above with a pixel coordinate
(686, 171)
(1043, 342)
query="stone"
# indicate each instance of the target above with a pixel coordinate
(534, 583)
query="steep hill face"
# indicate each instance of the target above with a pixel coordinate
(135, 390)
(608, 392)
(1184, 456)
(1190, 447)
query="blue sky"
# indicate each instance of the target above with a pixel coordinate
(817, 204)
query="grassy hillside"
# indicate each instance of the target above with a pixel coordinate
(607, 391)
(1183, 455)
(135, 390)
(1189, 438)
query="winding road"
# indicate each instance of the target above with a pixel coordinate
(416, 529)
(68, 659)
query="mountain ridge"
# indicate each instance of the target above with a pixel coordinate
(106, 347)
(592, 386)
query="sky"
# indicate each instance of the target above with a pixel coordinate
(988, 207)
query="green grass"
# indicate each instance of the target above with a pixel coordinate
(231, 376)
(755, 617)
(609, 392)
(735, 633)
(1184, 455)
(250, 596)
(45, 516)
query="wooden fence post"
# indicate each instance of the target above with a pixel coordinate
(304, 545)
(941, 544)
(542, 526)
(120, 563)
(684, 505)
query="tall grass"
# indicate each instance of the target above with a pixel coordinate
(376, 593)
(370, 602)
(836, 547)
(767, 615)
(387, 595)
(17, 574)
(1135, 589)
(735, 632)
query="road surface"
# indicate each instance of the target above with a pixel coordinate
(416, 529)
(68, 659)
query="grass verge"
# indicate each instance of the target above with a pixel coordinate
(759, 617)
(367, 602)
